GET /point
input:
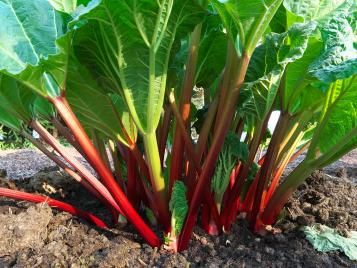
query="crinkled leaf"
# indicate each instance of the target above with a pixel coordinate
(178, 207)
(129, 42)
(220, 179)
(334, 57)
(326, 239)
(297, 77)
(233, 150)
(267, 66)
(314, 9)
(246, 20)
(339, 124)
(339, 59)
(237, 148)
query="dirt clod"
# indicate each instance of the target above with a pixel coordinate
(25, 230)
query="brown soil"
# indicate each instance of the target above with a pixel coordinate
(37, 236)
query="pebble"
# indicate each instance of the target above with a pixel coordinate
(269, 250)
(258, 257)
(213, 252)
(228, 243)
(203, 240)
(280, 238)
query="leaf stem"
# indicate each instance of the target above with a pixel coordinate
(81, 136)
(157, 180)
(185, 107)
(236, 82)
(34, 198)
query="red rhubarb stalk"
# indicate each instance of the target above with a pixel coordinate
(85, 173)
(62, 165)
(185, 107)
(267, 168)
(132, 181)
(81, 136)
(164, 132)
(217, 143)
(278, 173)
(13, 194)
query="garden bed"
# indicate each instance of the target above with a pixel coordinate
(35, 235)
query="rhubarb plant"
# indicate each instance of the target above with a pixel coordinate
(117, 79)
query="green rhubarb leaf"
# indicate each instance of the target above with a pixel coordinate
(35, 44)
(246, 20)
(178, 207)
(339, 59)
(314, 9)
(233, 150)
(9, 120)
(237, 148)
(331, 58)
(267, 67)
(297, 77)
(326, 239)
(15, 98)
(212, 52)
(94, 108)
(43, 109)
(29, 50)
(220, 180)
(28, 32)
(129, 43)
(278, 23)
(67, 6)
(336, 134)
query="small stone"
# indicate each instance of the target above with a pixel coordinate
(342, 173)
(240, 248)
(323, 215)
(213, 252)
(210, 245)
(305, 220)
(289, 226)
(258, 257)
(203, 241)
(306, 207)
(197, 259)
(280, 238)
(228, 243)
(269, 250)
